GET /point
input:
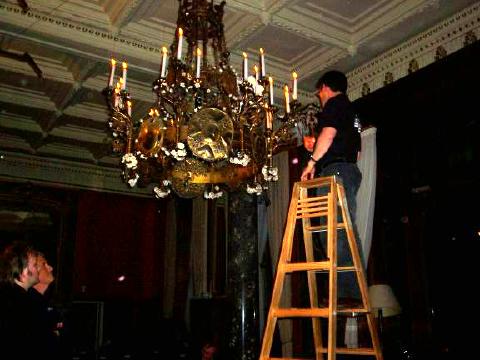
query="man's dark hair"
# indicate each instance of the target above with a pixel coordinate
(335, 80)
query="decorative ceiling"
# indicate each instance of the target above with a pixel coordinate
(61, 116)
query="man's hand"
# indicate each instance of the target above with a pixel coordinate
(309, 142)
(309, 171)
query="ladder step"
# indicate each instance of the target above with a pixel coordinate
(323, 228)
(313, 265)
(296, 312)
(351, 351)
(306, 266)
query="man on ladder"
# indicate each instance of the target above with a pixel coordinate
(335, 152)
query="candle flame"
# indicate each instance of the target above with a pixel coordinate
(180, 32)
(270, 80)
(113, 61)
(261, 51)
(199, 52)
(294, 75)
(164, 50)
(255, 68)
(151, 112)
(124, 64)
(245, 55)
(285, 89)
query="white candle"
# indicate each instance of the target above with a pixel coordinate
(270, 82)
(199, 60)
(129, 108)
(245, 66)
(112, 72)
(180, 40)
(269, 119)
(294, 94)
(287, 99)
(255, 69)
(116, 95)
(163, 70)
(262, 63)
(124, 82)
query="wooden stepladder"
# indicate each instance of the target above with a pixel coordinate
(316, 214)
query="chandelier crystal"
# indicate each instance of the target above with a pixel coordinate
(211, 130)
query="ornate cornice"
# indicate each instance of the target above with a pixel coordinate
(449, 35)
(28, 168)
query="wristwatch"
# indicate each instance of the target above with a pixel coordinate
(313, 159)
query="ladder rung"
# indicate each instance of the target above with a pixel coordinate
(351, 310)
(296, 312)
(346, 268)
(285, 358)
(323, 198)
(358, 351)
(323, 228)
(301, 215)
(306, 266)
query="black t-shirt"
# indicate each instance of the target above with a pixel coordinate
(339, 114)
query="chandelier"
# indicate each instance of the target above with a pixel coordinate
(210, 130)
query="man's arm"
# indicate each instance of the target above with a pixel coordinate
(322, 145)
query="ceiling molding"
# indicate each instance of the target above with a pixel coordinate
(450, 34)
(53, 172)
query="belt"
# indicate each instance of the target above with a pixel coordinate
(334, 161)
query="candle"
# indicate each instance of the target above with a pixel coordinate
(112, 72)
(180, 39)
(270, 82)
(151, 112)
(287, 99)
(262, 63)
(294, 94)
(269, 118)
(124, 82)
(255, 69)
(199, 59)
(245, 66)
(129, 108)
(163, 70)
(116, 95)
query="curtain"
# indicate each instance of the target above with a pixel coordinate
(366, 193)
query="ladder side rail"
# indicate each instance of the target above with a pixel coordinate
(311, 277)
(332, 255)
(359, 270)
(285, 256)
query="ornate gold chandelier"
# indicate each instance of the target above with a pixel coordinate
(210, 129)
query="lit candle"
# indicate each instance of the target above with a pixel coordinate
(255, 69)
(180, 39)
(151, 112)
(294, 94)
(199, 59)
(270, 82)
(245, 66)
(262, 63)
(124, 82)
(287, 99)
(112, 72)
(163, 70)
(129, 108)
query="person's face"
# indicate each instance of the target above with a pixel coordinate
(322, 95)
(31, 273)
(45, 271)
